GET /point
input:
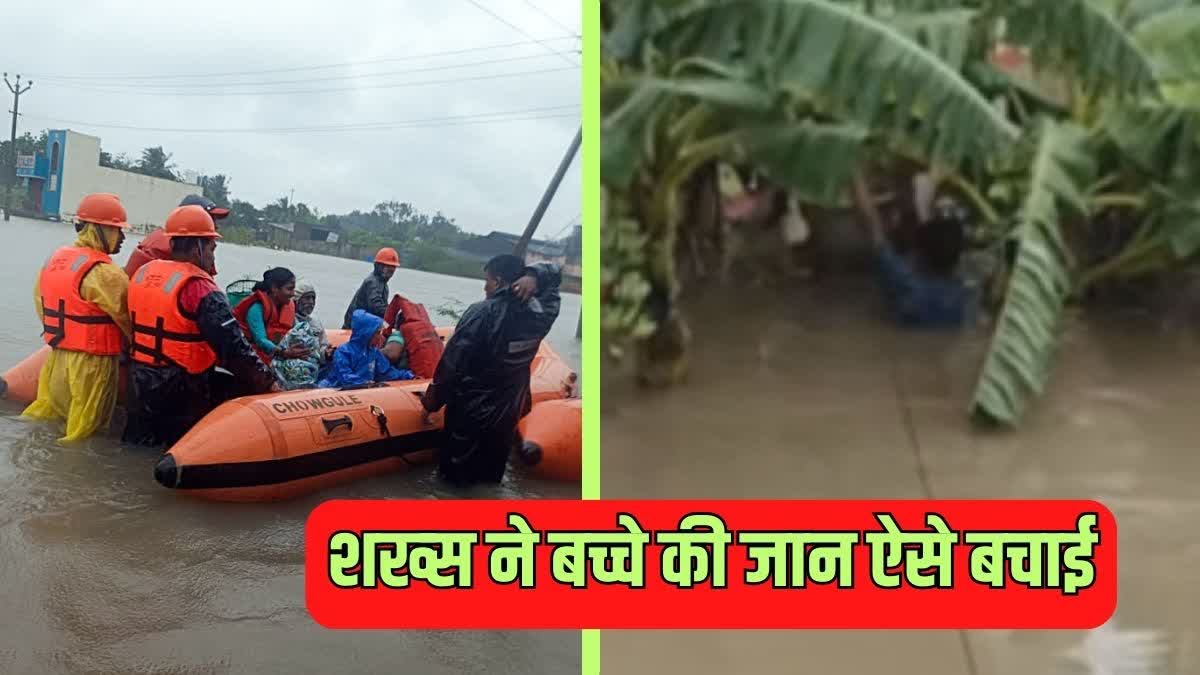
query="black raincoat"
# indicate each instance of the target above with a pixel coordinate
(164, 402)
(372, 296)
(483, 378)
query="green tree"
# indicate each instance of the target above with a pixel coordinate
(156, 162)
(244, 214)
(27, 144)
(120, 161)
(216, 188)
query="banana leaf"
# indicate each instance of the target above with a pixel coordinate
(1027, 331)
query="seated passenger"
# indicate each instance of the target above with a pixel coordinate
(267, 314)
(360, 361)
(309, 334)
(394, 348)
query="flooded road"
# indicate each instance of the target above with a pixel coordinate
(103, 571)
(808, 394)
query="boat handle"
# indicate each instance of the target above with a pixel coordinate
(331, 424)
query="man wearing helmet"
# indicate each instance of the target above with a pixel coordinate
(80, 297)
(157, 245)
(182, 328)
(373, 294)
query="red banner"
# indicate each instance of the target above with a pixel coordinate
(710, 564)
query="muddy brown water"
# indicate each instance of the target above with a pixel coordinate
(103, 571)
(806, 393)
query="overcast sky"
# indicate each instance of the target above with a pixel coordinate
(90, 61)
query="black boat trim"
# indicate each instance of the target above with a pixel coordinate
(276, 471)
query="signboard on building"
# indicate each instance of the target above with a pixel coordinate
(332, 238)
(26, 166)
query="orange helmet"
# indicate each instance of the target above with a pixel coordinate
(102, 208)
(191, 221)
(388, 256)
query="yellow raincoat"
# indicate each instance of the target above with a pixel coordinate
(82, 388)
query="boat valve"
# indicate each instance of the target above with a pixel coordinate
(382, 419)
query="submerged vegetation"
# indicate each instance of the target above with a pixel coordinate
(1088, 166)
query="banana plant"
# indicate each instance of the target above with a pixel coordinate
(789, 85)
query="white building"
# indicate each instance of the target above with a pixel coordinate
(70, 168)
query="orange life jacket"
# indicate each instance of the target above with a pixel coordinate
(162, 333)
(277, 321)
(421, 340)
(68, 321)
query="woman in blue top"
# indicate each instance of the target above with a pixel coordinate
(267, 314)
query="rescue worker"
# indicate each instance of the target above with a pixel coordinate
(267, 314)
(482, 378)
(80, 298)
(182, 328)
(373, 294)
(157, 245)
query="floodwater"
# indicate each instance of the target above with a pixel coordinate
(808, 394)
(103, 571)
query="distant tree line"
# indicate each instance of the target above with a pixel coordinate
(424, 239)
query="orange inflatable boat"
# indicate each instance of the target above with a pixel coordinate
(274, 447)
(552, 439)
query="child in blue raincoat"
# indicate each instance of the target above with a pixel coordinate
(360, 361)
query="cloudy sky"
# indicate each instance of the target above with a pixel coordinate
(440, 103)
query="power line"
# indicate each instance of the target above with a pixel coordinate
(395, 85)
(430, 125)
(140, 86)
(392, 59)
(517, 28)
(362, 126)
(550, 17)
(570, 223)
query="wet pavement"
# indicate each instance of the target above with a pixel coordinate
(808, 394)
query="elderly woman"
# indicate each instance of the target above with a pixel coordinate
(308, 334)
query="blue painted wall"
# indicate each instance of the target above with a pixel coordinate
(52, 189)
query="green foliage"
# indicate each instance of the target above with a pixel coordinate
(623, 259)
(810, 92)
(1018, 361)
(237, 234)
(425, 239)
(156, 162)
(216, 188)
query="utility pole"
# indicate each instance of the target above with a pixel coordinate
(12, 150)
(519, 251)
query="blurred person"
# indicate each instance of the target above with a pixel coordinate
(923, 289)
